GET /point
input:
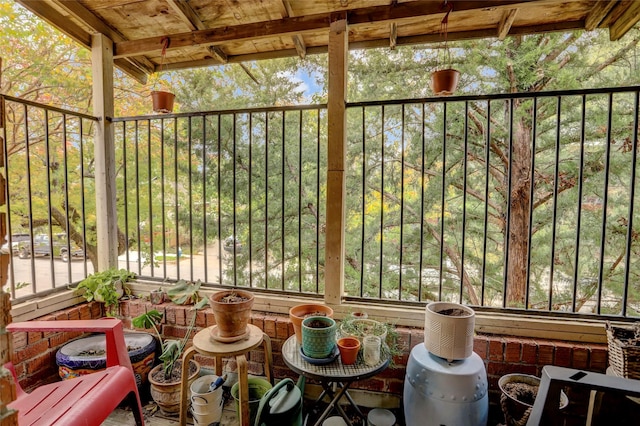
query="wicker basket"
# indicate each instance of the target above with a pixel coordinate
(624, 352)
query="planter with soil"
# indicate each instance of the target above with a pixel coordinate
(448, 330)
(232, 311)
(318, 337)
(300, 312)
(519, 393)
(166, 392)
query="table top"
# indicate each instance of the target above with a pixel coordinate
(334, 372)
(206, 345)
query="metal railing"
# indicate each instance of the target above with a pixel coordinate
(49, 196)
(434, 187)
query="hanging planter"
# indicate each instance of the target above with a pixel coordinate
(162, 100)
(445, 81)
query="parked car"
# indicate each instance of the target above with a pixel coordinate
(16, 239)
(42, 247)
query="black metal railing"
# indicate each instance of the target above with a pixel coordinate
(514, 201)
(49, 196)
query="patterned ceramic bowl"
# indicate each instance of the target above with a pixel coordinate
(318, 336)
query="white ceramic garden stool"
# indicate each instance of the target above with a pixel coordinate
(441, 393)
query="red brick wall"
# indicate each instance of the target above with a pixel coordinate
(35, 354)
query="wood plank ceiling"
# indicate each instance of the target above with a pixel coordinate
(213, 32)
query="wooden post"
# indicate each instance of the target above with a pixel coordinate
(336, 115)
(107, 223)
(8, 417)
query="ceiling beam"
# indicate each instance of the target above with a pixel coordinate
(625, 22)
(505, 23)
(298, 41)
(57, 20)
(393, 35)
(597, 14)
(190, 17)
(218, 54)
(296, 25)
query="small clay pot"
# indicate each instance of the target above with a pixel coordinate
(445, 82)
(231, 317)
(349, 348)
(162, 101)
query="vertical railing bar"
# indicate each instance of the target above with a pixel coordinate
(364, 201)
(282, 185)
(576, 261)
(234, 118)
(464, 196)
(65, 156)
(50, 229)
(190, 185)
(630, 232)
(162, 197)
(605, 203)
(507, 239)
(125, 190)
(554, 213)
(402, 153)
(318, 202)
(205, 236)
(29, 189)
(218, 189)
(137, 169)
(532, 177)
(266, 202)
(442, 196)
(5, 151)
(175, 193)
(300, 201)
(83, 206)
(250, 242)
(150, 192)
(381, 203)
(485, 236)
(422, 167)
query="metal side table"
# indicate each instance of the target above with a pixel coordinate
(329, 375)
(205, 345)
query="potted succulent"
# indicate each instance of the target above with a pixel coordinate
(232, 311)
(106, 286)
(166, 378)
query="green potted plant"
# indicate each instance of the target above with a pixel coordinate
(106, 286)
(166, 378)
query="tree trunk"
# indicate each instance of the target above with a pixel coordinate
(519, 217)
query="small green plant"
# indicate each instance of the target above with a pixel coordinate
(359, 328)
(185, 292)
(172, 349)
(106, 287)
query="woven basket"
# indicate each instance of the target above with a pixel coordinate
(624, 353)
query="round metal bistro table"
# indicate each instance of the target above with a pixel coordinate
(335, 373)
(204, 344)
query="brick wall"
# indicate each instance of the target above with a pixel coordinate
(35, 353)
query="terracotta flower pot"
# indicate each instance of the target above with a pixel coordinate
(445, 82)
(167, 394)
(349, 348)
(448, 330)
(232, 316)
(162, 101)
(300, 312)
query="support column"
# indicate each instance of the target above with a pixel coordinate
(105, 175)
(337, 138)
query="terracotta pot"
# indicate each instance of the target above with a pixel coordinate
(231, 318)
(448, 330)
(444, 82)
(349, 348)
(162, 101)
(167, 395)
(299, 312)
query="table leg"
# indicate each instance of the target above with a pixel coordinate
(243, 386)
(334, 403)
(353, 404)
(184, 385)
(218, 366)
(268, 356)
